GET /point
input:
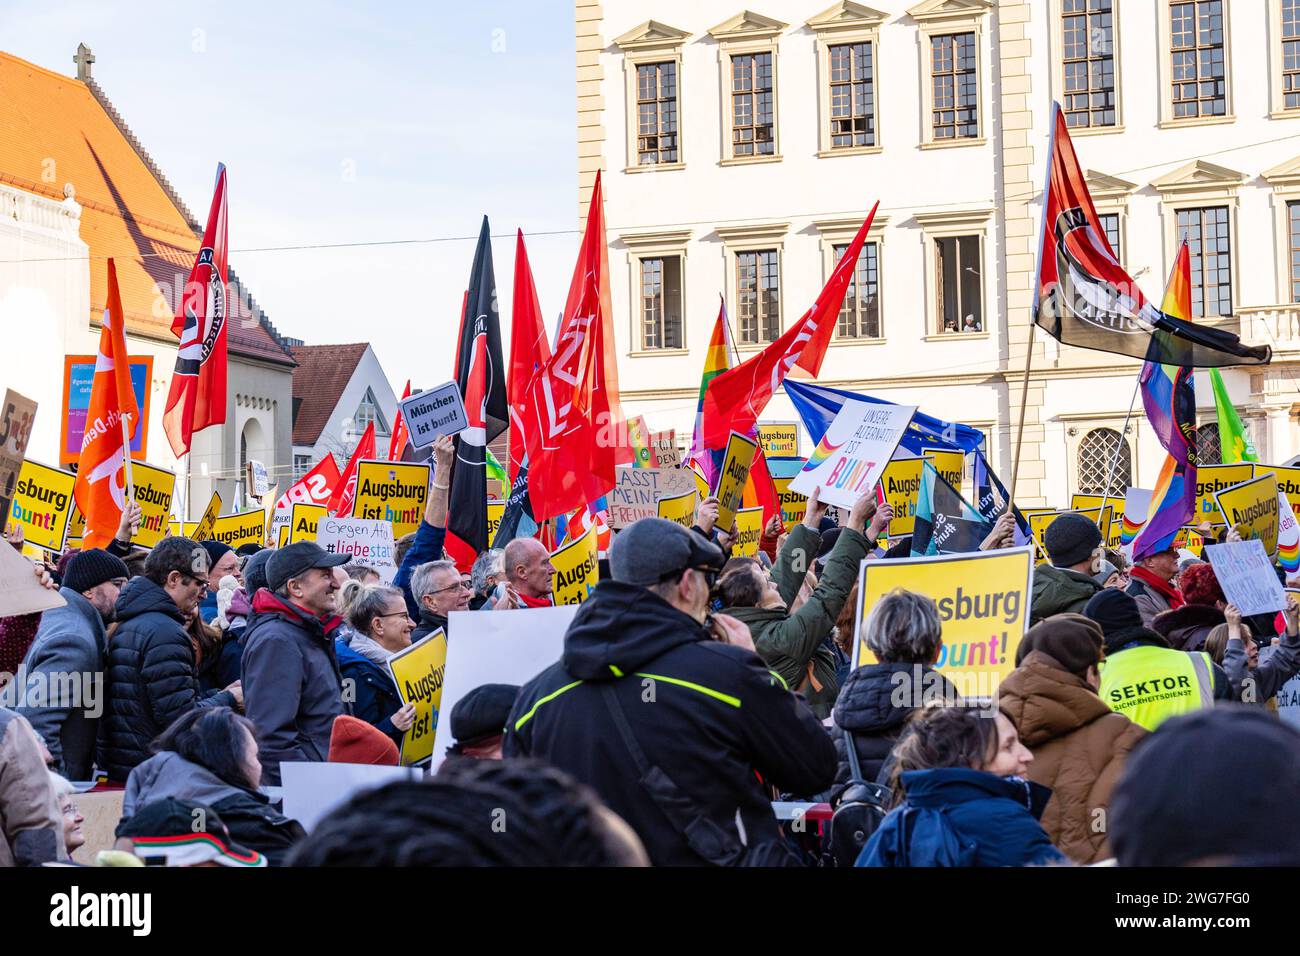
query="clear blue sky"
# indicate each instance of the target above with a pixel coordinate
(344, 122)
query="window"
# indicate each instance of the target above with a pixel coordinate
(1096, 459)
(954, 87)
(301, 465)
(751, 105)
(958, 284)
(1208, 451)
(852, 96)
(1293, 247)
(1088, 54)
(661, 302)
(1197, 66)
(758, 296)
(1206, 232)
(1110, 225)
(656, 107)
(367, 412)
(1290, 54)
(860, 314)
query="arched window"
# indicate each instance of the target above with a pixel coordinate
(1095, 457)
(1208, 449)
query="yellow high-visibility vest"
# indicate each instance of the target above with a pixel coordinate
(1148, 685)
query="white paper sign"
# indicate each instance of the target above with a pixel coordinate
(433, 413)
(367, 541)
(1247, 577)
(497, 647)
(852, 455)
(311, 790)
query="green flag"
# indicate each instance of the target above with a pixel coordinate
(1234, 444)
(494, 469)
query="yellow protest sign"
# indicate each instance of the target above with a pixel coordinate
(234, 531)
(76, 528)
(302, 521)
(185, 530)
(1252, 508)
(901, 481)
(1080, 502)
(418, 672)
(749, 529)
(42, 505)
(1190, 538)
(495, 509)
(951, 466)
(1211, 479)
(1288, 482)
(1039, 522)
(701, 486)
(779, 439)
(392, 491)
(576, 570)
(731, 477)
(983, 601)
(153, 488)
(282, 536)
(680, 509)
(793, 504)
(203, 531)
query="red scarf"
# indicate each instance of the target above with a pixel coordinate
(535, 602)
(1171, 594)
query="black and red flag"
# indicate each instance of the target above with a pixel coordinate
(480, 373)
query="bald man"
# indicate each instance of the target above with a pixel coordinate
(528, 575)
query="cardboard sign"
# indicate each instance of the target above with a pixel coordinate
(1245, 573)
(304, 522)
(853, 454)
(153, 489)
(16, 418)
(749, 529)
(1114, 539)
(951, 466)
(638, 492)
(495, 509)
(392, 491)
(577, 569)
(256, 480)
(433, 413)
(203, 531)
(1288, 482)
(418, 673)
(793, 504)
(779, 439)
(983, 600)
(730, 489)
(664, 446)
(679, 509)
(20, 591)
(1211, 479)
(1252, 508)
(366, 542)
(900, 482)
(237, 530)
(78, 379)
(42, 505)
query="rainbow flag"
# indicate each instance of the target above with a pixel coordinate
(716, 361)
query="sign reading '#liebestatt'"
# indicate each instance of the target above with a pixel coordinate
(433, 413)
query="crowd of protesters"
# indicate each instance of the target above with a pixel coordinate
(695, 688)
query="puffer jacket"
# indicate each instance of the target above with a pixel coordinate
(1187, 627)
(1059, 591)
(1079, 747)
(150, 675)
(375, 697)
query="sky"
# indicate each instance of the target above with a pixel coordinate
(349, 123)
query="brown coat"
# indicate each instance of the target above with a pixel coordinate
(31, 823)
(1079, 746)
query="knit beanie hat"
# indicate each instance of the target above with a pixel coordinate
(88, 569)
(1070, 538)
(1072, 640)
(255, 571)
(215, 550)
(355, 741)
(1120, 619)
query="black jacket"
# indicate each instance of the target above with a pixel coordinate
(708, 715)
(150, 676)
(429, 622)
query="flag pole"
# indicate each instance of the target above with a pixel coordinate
(1020, 429)
(126, 460)
(1123, 440)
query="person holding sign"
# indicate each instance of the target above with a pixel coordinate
(1256, 678)
(380, 628)
(432, 533)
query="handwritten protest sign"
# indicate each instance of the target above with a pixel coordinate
(576, 569)
(305, 522)
(853, 454)
(1252, 507)
(730, 485)
(983, 600)
(679, 509)
(1245, 573)
(208, 521)
(366, 541)
(16, 417)
(153, 488)
(1211, 479)
(235, 531)
(392, 491)
(42, 505)
(433, 413)
(637, 493)
(418, 673)
(779, 439)
(749, 529)
(664, 446)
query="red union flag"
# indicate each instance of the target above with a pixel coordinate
(346, 490)
(401, 435)
(529, 350)
(198, 392)
(571, 407)
(314, 488)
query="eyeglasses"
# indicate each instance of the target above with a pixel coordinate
(194, 579)
(71, 810)
(459, 584)
(394, 614)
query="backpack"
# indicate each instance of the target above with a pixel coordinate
(861, 807)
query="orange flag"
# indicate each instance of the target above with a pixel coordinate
(102, 486)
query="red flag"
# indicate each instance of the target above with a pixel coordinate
(397, 441)
(101, 480)
(317, 487)
(529, 351)
(571, 408)
(198, 392)
(737, 397)
(346, 491)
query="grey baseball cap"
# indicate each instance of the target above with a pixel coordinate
(298, 558)
(653, 549)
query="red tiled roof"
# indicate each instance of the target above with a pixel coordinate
(55, 129)
(323, 372)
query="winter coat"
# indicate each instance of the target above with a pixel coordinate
(954, 816)
(1278, 663)
(429, 622)
(1079, 747)
(790, 643)
(875, 703)
(1059, 591)
(1150, 602)
(150, 674)
(31, 822)
(248, 815)
(70, 640)
(707, 716)
(1187, 627)
(292, 686)
(374, 695)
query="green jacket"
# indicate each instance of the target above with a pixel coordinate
(1058, 590)
(788, 642)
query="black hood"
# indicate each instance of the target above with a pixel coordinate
(867, 700)
(142, 596)
(624, 626)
